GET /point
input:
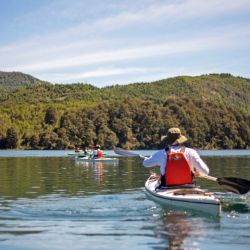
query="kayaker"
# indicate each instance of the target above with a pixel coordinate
(86, 151)
(178, 164)
(97, 152)
(77, 150)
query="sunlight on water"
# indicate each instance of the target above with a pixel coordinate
(60, 203)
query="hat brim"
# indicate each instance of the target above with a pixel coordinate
(182, 139)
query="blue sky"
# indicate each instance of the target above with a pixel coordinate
(107, 42)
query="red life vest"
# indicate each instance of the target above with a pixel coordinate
(99, 154)
(177, 170)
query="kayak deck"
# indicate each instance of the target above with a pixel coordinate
(103, 159)
(77, 154)
(183, 196)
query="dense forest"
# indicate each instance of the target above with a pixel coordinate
(212, 110)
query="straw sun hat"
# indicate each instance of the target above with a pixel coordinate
(174, 137)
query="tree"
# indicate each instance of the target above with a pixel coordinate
(34, 141)
(51, 116)
(48, 140)
(107, 138)
(2, 142)
(11, 138)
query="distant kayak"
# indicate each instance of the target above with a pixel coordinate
(80, 154)
(186, 197)
(103, 159)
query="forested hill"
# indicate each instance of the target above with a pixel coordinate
(219, 88)
(14, 80)
(212, 110)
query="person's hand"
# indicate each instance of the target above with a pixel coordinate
(197, 173)
(142, 157)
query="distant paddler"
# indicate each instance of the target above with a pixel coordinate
(87, 152)
(81, 153)
(78, 150)
(97, 152)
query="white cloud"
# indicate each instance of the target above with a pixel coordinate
(132, 33)
(100, 72)
(192, 45)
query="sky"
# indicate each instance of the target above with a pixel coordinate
(109, 42)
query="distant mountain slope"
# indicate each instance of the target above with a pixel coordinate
(219, 88)
(14, 80)
(212, 110)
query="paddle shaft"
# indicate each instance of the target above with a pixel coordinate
(211, 178)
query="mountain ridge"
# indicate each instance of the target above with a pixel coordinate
(220, 88)
(212, 110)
(14, 80)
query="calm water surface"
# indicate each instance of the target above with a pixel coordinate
(50, 201)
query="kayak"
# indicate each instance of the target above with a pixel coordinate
(185, 196)
(80, 154)
(103, 159)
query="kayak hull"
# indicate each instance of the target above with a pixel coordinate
(87, 159)
(192, 198)
(77, 154)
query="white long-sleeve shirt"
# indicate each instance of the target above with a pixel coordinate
(160, 159)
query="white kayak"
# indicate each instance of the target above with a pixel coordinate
(184, 197)
(80, 154)
(103, 159)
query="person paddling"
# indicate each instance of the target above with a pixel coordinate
(97, 152)
(178, 164)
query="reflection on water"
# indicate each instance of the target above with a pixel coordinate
(178, 227)
(100, 205)
(183, 230)
(97, 168)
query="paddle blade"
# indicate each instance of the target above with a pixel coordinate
(235, 185)
(124, 152)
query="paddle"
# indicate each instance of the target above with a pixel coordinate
(124, 152)
(232, 184)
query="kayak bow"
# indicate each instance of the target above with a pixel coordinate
(188, 197)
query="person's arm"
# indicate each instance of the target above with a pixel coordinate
(152, 161)
(93, 154)
(198, 166)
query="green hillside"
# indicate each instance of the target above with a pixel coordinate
(213, 110)
(219, 88)
(14, 80)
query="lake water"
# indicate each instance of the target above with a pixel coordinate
(51, 201)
